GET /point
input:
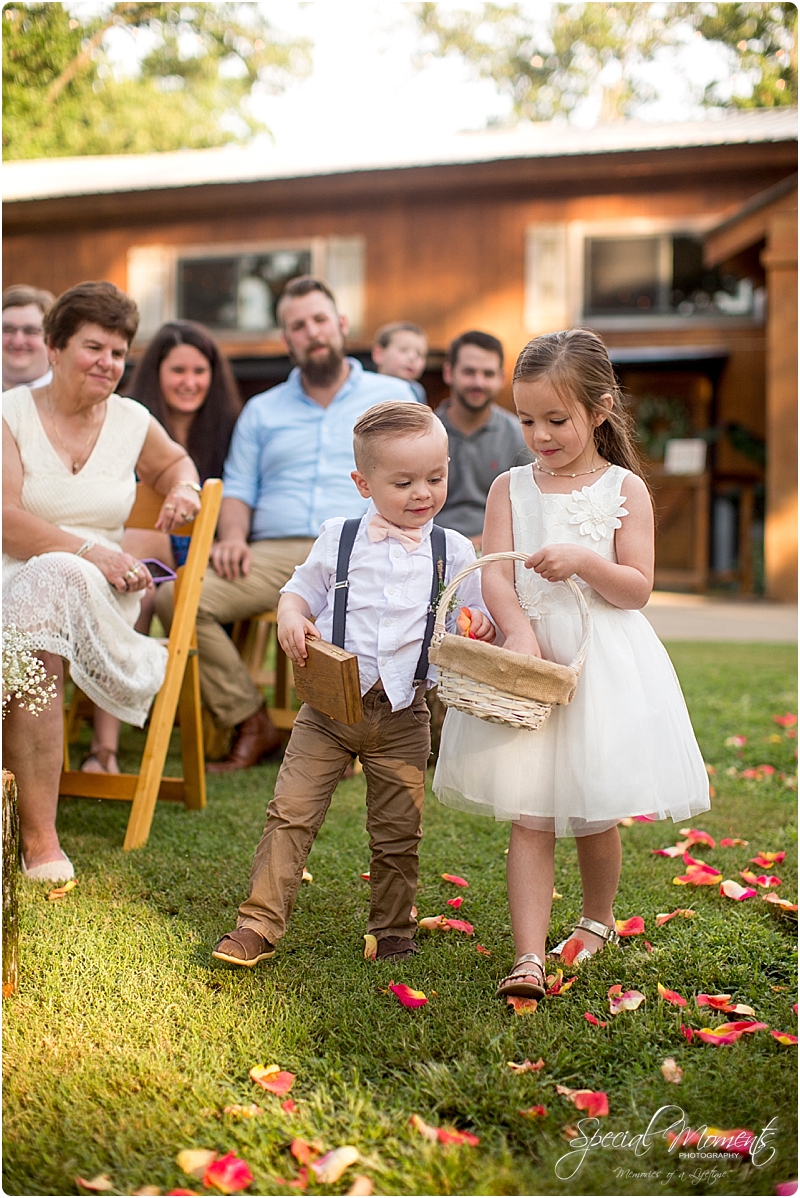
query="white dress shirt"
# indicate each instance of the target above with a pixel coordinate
(387, 600)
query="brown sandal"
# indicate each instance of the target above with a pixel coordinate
(102, 756)
(515, 984)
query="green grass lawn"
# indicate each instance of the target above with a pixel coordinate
(126, 1040)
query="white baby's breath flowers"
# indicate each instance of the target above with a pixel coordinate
(24, 675)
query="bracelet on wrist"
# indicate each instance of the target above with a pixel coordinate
(85, 548)
(187, 482)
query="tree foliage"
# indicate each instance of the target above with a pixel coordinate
(550, 59)
(190, 73)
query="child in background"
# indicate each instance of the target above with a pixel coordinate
(395, 570)
(624, 746)
(400, 349)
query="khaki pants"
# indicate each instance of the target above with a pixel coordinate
(393, 748)
(226, 687)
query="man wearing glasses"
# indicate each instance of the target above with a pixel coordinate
(24, 351)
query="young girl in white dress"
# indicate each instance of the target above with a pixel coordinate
(624, 746)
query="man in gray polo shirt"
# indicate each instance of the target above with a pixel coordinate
(485, 440)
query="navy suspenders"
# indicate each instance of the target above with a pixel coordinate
(439, 556)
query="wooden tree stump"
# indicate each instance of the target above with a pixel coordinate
(10, 874)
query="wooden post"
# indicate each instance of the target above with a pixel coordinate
(10, 874)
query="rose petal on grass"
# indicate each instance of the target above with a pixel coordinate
(243, 1112)
(779, 902)
(229, 1174)
(767, 881)
(365, 876)
(330, 1167)
(748, 875)
(454, 878)
(522, 1006)
(786, 1188)
(147, 1192)
(630, 927)
(534, 1112)
(687, 1033)
(732, 890)
(175, 1193)
(630, 1000)
(424, 1129)
(784, 1037)
(480, 949)
(644, 819)
(449, 1135)
(307, 877)
(556, 895)
(671, 996)
(698, 836)
(736, 742)
(648, 945)
(61, 891)
(370, 946)
(195, 1161)
(279, 1082)
(455, 902)
(361, 1187)
(717, 1002)
(698, 877)
(594, 1102)
(627, 822)
(672, 1071)
(767, 859)
(408, 997)
(571, 949)
(686, 912)
(788, 720)
(290, 1106)
(590, 1018)
(557, 985)
(303, 1152)
(431, 922)
(299, 1183)
(672, 850)
(570, 1132)
(526, 1066)
(739, 1008)
(710, 1035)
(730, 842)
(101, 1184)
(458, 925)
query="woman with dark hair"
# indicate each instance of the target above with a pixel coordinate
(183, 379)
(72, 451)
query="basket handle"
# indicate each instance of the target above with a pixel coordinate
(513, 555)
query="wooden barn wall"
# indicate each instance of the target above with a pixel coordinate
(446, 263)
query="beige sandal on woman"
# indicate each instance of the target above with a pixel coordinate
(521, 981)
(609, 935)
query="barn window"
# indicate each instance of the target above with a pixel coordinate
(658, 275)
(237, 292)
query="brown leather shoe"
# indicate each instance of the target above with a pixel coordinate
(395, 948)
(256, 737)
(245, 946)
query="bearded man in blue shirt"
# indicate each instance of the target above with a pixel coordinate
(288, 470)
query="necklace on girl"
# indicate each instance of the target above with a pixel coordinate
(93, 435)
(579, 474)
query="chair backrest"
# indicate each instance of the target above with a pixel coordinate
(146, 508)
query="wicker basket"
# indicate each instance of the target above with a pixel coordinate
(495, 684)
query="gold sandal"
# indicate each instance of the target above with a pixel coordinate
(514, 984)
(609, 935)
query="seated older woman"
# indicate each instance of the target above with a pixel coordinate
(71, 453)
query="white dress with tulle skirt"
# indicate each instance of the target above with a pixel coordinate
(625, 745)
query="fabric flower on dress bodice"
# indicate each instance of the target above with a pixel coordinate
(596, 514)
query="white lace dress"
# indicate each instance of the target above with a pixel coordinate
(624, 746)
(62, 600)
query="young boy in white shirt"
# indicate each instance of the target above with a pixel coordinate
(392, 576)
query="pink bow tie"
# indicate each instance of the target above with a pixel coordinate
(379, 528)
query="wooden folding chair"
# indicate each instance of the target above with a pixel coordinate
(180, 691)
(251, 637)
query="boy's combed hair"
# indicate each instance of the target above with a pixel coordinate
(385, 333)
(386, 420)
(577, 364)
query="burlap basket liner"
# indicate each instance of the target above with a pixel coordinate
(514, 674)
